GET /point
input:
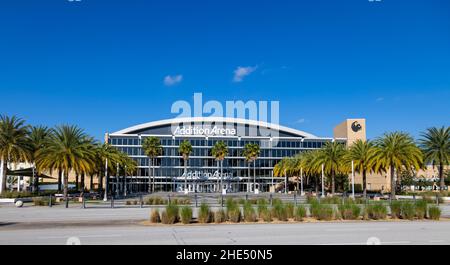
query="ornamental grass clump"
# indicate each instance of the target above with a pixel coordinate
(396, 209)
(376, 211)
(279, 211)
(170, 215)
(154, 216)
(233, 211)
(186, 214)
(349, 211)
(421, 209)
(249, 212)
(322, 211)
(408, 210)
(300, 213)
(263, 211)
(219, 216)
(290, 210)
(434, 212)
(204, 214)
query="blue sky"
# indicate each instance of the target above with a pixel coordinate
(106, 65)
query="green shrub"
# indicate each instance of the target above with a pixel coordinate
(219, 216)
(276, 201)
(279, 211)
(349, 211)
(234, 214)
(181, 201)
(262, 206)
(434, 212)
(408, 210)
(186, 214)
(155, 200)
(311, 199)
(376, 211)
(233, 211)
(265, 214)
(42, 201)
(204, 214)
(300, 213)
(262, 201)
(322, 211)
(170, 215)
(249, 212)
(396, 209)
(421, 209)
(290, 208)
(154, 216)
(230, 203)
(331, 200)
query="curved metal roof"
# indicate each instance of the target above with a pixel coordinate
(214, 119)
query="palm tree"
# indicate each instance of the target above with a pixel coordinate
(185, 150)
(152, 148)
(14, 144)
(396, 151)
(38, 138)
(219, 151)
(68, 149)
(105, 158)
(435, 144)
(312, 166)
(282, 168)
(331, 157)
(251, 153)
(363, 155)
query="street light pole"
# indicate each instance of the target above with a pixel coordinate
(323, 185)
(353, 180)
(105, 197)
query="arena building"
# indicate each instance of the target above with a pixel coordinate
(275, 142)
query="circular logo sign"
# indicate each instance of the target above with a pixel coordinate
(356, 127)
(73, 241)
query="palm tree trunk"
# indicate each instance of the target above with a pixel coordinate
(82, 181)
(185, 174)
(393, 184)
(77, 186)
(441, 176)
(221, 175)
(333, 184)
(218, 179)
(66, 185)
(4, 169)
(149, 175)
(248, 184)
(254, 174)
(153, 174)
(35, 178)
(91, 182)
(100, 180)
(59, 180)
(364, 183)
(317, 184)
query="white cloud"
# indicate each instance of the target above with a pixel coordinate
(171, 80)
(302, 120)
(242, 72)
(379, 99)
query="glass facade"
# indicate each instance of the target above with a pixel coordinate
(203, 171)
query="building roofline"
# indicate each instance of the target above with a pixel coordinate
(215, 119)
